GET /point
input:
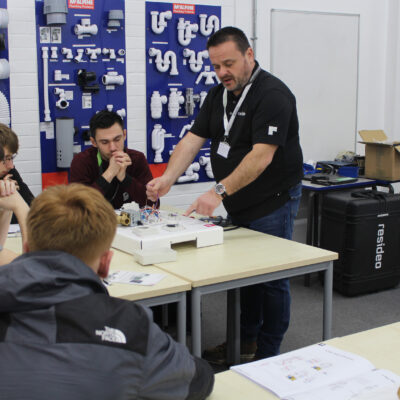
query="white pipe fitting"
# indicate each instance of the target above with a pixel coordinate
(62, 102)
(174, 102)
(112, 78)
(209, 75)
(203, 95)
(109, 107)
(185, 129)
(67, 53)
(212, 24)
(4, 69)
(206, 163)
(158, 21)
(53, 52)
(195, 62)
(185, 31)
(45, 57)
(110, 53)
(85, 28)
(59, 76)
(158, 142)
(3, 18)
(121, 112)
(163, 63)
(93, 53)
(121, 52)
(156, 104)
(79, 55)
(190, 174)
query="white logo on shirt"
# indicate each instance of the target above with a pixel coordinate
(111, 335)
(272, 130)
(241, 114)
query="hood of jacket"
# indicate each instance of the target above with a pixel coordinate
(41, 279)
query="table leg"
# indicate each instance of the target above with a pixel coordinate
(328, 285)
(233, 327)
(196, 322)
(311, 216)
(181, 317)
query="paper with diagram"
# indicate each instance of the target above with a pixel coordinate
(321, 372)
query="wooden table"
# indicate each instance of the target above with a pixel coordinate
(381, 346)
(171, 289)
(245, 258)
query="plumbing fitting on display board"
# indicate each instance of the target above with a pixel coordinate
(156, 104)
(191, 100)
(163, 63)
(185, 31)
(79, 55)
(54, 54)
(55, 11)
(64, 141)
(174, 102)
(209, 75)
(185, 129)
(121, 112)
(93, 53)
(85, 28)
(211, 26)
(62, 102)
(4, 69)
(112, 78)
(195, 62)
(84, 78)
(158, 136)
(190, 174)
(110, 53)
(45, 57)
(59, 76)
(159, 21)
(3, 18)
(206, 163)
(114, 18)
(67, 53)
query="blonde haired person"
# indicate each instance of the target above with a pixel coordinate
(62, 336)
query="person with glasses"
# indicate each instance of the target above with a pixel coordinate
(9, 143)
(10, 202)
(121, 174)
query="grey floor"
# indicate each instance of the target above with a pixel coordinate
(350, 314)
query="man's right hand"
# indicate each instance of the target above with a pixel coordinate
(158, 187)
(7, 187)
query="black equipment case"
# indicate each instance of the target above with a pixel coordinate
(364, 228)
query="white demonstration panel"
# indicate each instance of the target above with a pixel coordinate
(152, 243)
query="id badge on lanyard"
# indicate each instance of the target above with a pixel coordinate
(224, 147)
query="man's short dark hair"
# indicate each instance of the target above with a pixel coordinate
(229, 33)
(1, 154)
(8, 138)
(104, 119)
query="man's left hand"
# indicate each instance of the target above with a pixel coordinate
(205, 204)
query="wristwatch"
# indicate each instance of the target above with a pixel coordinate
(220, 189)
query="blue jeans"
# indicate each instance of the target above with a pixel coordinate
(265, 307)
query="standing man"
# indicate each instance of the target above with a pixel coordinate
(119, 173)
(251, 119)
(62, 336)
(9, 143)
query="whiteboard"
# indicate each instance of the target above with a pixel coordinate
(316, 55)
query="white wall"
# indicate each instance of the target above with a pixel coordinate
(379, 75)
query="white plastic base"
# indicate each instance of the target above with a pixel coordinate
(150, 242)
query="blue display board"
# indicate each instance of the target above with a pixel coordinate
(5, 111)
(81, 70)
(178, 77)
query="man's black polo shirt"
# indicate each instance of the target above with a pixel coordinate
(267, 115)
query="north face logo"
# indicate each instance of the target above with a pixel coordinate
(272, 130)
(111, 335)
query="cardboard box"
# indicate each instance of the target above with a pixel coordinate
(382, 158)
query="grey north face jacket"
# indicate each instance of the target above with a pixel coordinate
(63, 337)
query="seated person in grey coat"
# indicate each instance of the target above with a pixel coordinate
(62, 336)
